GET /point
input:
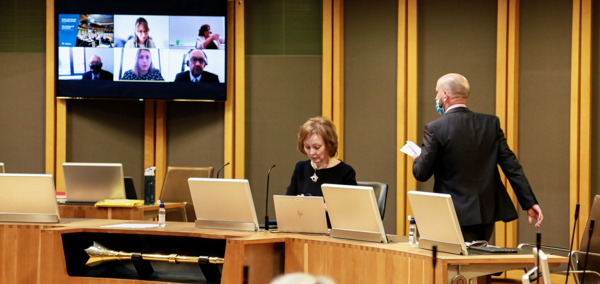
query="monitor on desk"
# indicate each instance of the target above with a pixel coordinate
(353, 213)
(28, 198)
(92, 182)
(223, 204)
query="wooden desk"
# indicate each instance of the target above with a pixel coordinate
(270, 254)
(144, 212)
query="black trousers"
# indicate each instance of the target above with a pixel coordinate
(481, 232)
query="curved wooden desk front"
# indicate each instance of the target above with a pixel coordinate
(270, 254)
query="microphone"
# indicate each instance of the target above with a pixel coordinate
(587, 250)
(267, 200)
(572, 239)
(434, 260)
(538, 245)
(221, 169)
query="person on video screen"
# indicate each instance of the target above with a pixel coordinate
(197, 61)
(96, 72)
(141, 37)
(206, 39)
(143, 68)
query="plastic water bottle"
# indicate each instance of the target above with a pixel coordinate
(162, 215)
(412, 233)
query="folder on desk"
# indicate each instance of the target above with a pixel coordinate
(119, 203)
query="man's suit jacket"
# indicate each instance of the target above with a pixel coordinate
(207, 77)
(462, 149)
(104, 75)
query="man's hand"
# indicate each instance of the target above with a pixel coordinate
(415, 156)
(535, 212)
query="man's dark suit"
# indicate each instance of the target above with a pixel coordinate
(207, 77)
(104, 75)
(462, 149)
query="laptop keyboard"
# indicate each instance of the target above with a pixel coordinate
(494, 249)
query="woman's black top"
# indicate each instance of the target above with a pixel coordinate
(301, 183)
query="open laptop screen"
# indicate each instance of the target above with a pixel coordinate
(92, 182)
(223, 204)
(28, 198)
(353, 212)
(437, 222)
(300, 214)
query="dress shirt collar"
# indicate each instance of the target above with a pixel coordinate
(195, 79)
(455, 106)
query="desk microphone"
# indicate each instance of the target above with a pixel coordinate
(572, 239)
(221, 169)
(587, 250)
(267, 200)
(434, 260)
(538, 245)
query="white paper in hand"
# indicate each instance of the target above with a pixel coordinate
(410, 148)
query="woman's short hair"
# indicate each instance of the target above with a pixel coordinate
(203, 29)
(136, 66)
(322, 126)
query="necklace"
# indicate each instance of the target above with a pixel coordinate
(314, 177)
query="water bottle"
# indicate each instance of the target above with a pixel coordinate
(149, 186)
(412, 233)
(162, 215)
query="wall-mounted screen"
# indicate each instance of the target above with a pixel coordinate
(169, 49)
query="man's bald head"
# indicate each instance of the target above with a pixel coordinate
(95, 59)
(456, 85)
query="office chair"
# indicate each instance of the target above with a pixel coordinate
(380, 189)
(578, 256)
(176, 189)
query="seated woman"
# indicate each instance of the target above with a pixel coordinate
(317, 139)
(143, 68)
(207, 40)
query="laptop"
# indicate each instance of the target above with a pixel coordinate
(28, 198)
(353, 213)
(300, 214)
(223, 204)
(88, 183)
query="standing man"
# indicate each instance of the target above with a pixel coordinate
(197, 61)
(463, 150)
(96, 72)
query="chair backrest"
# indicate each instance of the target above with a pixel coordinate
(593, 262)
(176, 188)
(380, 190)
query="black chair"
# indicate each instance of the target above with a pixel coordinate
(380, 190)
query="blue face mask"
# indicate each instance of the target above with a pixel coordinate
(439, 109)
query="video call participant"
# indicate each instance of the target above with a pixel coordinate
(143, 68)
(317, 139)
(96, 72)
(207, 41)
(463, 149)
(141, 37)
(197, 62)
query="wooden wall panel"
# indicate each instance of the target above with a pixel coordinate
(544, 76)
(466, 46)
(283, 92)
(370, 95)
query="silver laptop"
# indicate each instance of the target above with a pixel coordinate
(532, 275)
(300, 214)
(28, 198)
(223, 204)
(353, 213)
(437, 222)
(92, 182)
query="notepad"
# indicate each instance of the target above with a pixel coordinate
(119, 203)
